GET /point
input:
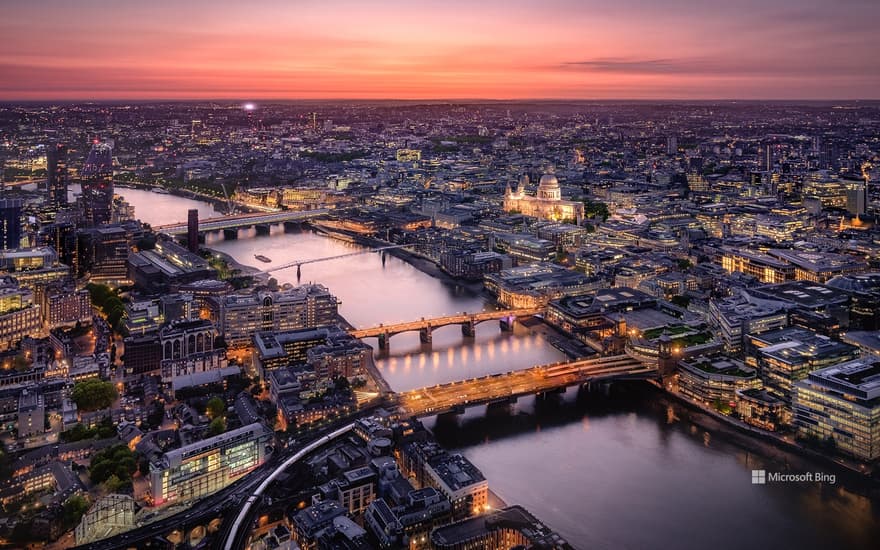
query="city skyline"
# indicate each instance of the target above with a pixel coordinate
(433, 50)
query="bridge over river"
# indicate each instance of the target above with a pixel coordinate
(507, 387)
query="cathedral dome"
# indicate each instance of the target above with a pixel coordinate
(548, 180)
(548, 189)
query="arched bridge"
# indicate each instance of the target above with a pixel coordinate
(507, 387)
(468, 322)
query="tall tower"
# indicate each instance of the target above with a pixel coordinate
(671, 145)
(10, 223)
(767, 161)
(192, 230)
(97, 184)
(56, 175)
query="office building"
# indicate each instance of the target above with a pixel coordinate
(201, 468)
(63, 305)
(192, 230)
(107, 254)
(840, 406)
(715, 379)
(96, 179)
(792, 354)
(742, 314)
(763, 267)
(167, 266)
(511, 527)
(536, 285)
(19, 315)
(56, 175)
(31, 413)
(304, 306)
(10, 223)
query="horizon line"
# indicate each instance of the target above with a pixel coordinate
(443, 100)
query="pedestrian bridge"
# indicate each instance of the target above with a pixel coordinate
(507, 387)
(468, 322)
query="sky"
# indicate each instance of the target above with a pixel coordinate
(450, 49)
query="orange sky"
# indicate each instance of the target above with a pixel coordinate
(786, 49)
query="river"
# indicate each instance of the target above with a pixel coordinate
(623, 469)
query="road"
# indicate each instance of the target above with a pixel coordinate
(497, 387)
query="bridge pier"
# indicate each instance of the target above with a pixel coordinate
(425, 334)
(230, 234)
(263, 228)
(506, 324)
(501, 406)
(383, 341)
(550, 394)
(469, 329)
(292, 227)
(298, 272)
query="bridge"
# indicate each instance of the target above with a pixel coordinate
(507, 387)
(23, 182)
(468, 322)
(234, 536)
(298, 263)
(236, 222)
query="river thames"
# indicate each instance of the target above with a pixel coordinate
(623, 469)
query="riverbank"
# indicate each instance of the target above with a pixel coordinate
(259, 276)
(776, 447)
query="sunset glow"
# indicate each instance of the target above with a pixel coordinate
(439, 49)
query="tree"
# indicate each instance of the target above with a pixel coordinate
(680, 300)
(596, 209)
(114, 484)
(93, 394)
(217, 426)
(73, 510)
(147, 242)
(216, 408)
(117, 460)
(20, 363)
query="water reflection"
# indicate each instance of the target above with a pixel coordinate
(626, 469)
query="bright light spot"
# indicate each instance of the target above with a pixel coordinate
(249, 106)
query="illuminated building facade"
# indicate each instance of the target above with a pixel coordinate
(713, 379)
(300, 307)
(547, 204)
(841, 404)
(512, 527)
(10, 223)
(761, 266)
(207, 466)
